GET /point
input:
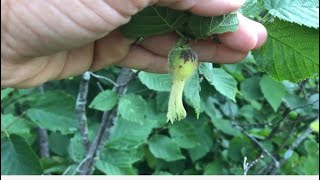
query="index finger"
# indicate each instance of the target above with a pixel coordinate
(204, 7)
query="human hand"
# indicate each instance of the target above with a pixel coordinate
(47, 40)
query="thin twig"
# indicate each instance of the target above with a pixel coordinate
(300, 107)
(263, 124)
(277, 125)
(43, 135)
(108, 119)
(285, 141)
(100, 86)
(81, 110)
(80, 164)
(247, 166)
(132, 77)
(291, 149)
(43, 143)
(104, 78)
(253, 139)
(66, 171)
(286, 114)
(302, 88)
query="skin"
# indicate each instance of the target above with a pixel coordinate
(54, 39)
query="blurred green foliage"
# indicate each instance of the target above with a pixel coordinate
(141, 142)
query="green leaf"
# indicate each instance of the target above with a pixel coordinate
(234, 150)
(116, 162)
(58, 143)
(315, 126)
(290, 53)
(192, 92)
(297, 11)
(55, 165)
(75, 149)
(273, 91)
(69, 170)
(203, 27)
(229, 108)
(289, 166)
(220, 79)
(184, 134)
(53, 121)
(163, 173)
(165, 148)
(162, 100)
(154, 20)
(17, 157)
(15, 125)
(122, 158)
(155, 118)
(252, 8)
(54, 111)
(225, 126)
(240, 147)
(150, 159)
(309, 164)
(105, 100)
(156, 82)
(111, 169)
(6, 92)
(248, 112)
(203, 131)
(311, 146)
(313, 99)
(294, 101)
(214, 168)
(210, 109)
(126, 134)
(250, 88)
(133, 108)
